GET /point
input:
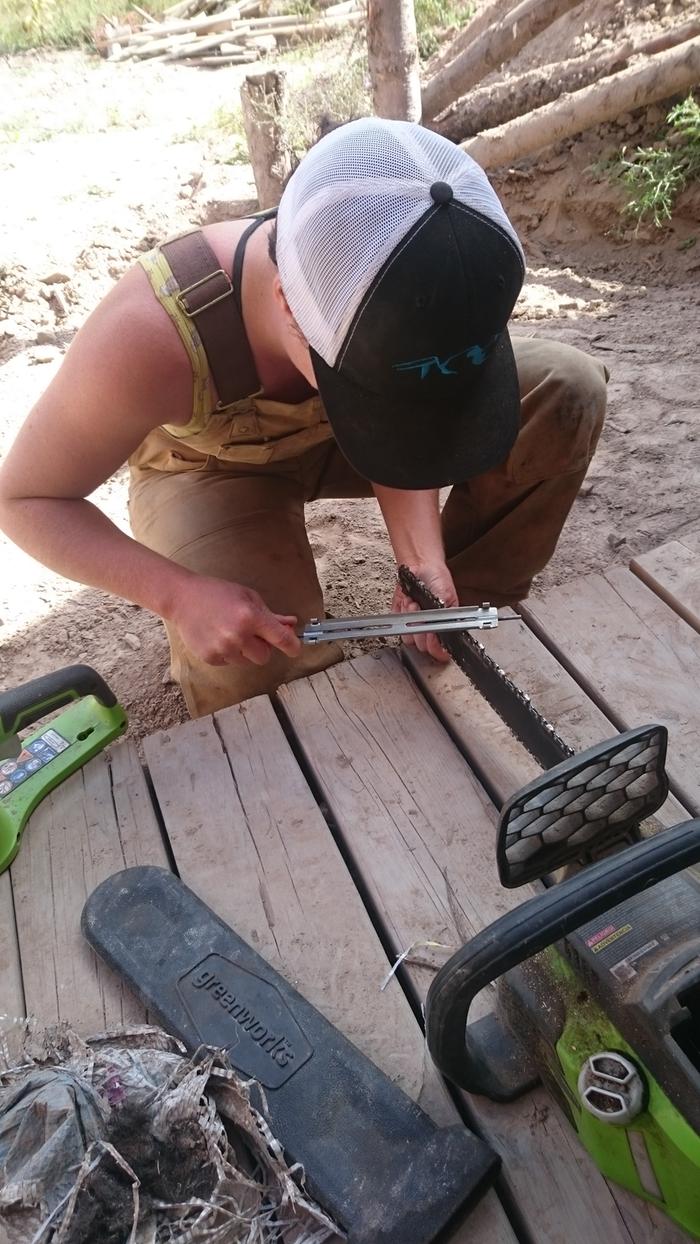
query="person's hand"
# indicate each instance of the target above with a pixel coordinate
(438, 578)
(227, 624)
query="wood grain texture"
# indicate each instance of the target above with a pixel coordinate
(248, 837)
(420, 831)
(638, 659)
(85, 830)
(11, 989)
(673, 573)
(479, 732)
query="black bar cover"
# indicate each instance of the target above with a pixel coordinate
(373, 1159)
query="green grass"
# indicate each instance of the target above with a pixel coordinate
(433, 16)
(52, 23)
(654, 176)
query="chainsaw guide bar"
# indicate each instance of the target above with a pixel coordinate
(515, 708)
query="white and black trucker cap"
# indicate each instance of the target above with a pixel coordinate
(401, 269)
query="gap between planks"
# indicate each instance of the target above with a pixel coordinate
(634, 656)
(249, 838)
(421, 832)
(97, 822)
(672, 572)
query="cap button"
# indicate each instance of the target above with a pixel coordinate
(441, 192)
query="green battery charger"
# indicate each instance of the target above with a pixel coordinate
(32, 766)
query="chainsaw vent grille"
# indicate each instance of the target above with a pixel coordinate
(595, 796)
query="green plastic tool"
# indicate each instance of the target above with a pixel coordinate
(32, 766)
(599, 974)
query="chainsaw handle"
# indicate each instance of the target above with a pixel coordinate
(531, 928)
(21, 706)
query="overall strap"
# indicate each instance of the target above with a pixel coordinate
(239, 256)
(212, 301)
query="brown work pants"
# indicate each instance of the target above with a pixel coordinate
(245, 522)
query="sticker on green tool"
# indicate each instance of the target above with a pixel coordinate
(36, 755)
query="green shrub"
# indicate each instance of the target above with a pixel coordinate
(654, 176)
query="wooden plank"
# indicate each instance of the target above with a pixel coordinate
(673, 572)
(420, 831)
(248, 837)
(98, 821)
(11, 989)
(635, 656)
(494, 752)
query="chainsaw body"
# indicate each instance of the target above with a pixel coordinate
(599, 991)
(33, 765)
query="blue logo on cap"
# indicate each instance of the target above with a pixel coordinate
(475, 354)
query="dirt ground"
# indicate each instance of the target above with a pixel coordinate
(98, 160)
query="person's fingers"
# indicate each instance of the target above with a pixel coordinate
(231, 656)
(255, 650)
(278, 634)
(436, 650)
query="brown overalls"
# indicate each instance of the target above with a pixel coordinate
(225, 497)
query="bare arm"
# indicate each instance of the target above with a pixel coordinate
(413, 522)
(124, 374)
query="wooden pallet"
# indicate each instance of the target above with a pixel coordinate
(353, 816)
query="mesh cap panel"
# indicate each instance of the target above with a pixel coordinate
(348, 206)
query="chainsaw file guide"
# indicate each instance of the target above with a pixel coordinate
(372, 1158)
(32, 766)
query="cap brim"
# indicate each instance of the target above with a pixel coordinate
(427, 445)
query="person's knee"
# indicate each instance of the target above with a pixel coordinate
(578, 390)
(209, 688)
(563, 410)
(582, 390)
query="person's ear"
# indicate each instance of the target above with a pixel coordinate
(284, 307)
(280, 298)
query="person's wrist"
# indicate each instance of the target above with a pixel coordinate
(168, 588)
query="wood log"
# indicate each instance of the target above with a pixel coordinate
(659, 77)
(198, 47)
(489, 16)
(192, 25)
(290, 19)
(226, 58)
(489, 106)
(392, 51)
(497, 45)
(264, 99)
(154, 47)
(313, 31)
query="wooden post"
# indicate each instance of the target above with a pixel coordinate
(264, 102)
(392, 49)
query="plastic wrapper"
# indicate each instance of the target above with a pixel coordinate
(122, 1138)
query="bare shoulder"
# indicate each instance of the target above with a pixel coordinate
(128, 354)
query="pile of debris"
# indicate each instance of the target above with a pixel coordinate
(123, 1139)
(198, 32)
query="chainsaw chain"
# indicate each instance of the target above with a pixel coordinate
(537, 734)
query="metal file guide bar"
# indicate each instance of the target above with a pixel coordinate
(471, 618)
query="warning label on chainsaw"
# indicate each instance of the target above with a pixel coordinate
(33, 757)
(631, 935)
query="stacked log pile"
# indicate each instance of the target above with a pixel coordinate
(518, 115)
(236, 34)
